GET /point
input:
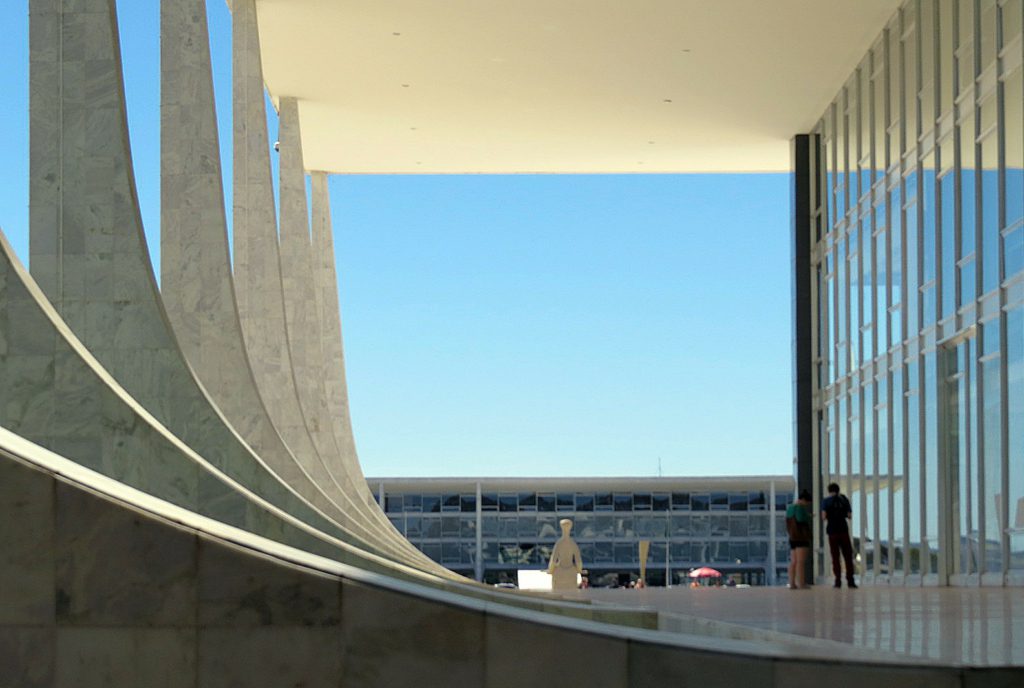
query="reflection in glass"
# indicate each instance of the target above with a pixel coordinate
(899, 459)
(992, 505)
(913, 477)
(583, 526)
(758, 525)
(413, 502)
(431, 527)
(1015, 446)
(700, 525)
(1013, 101)
(450, 526)
(988, 165)
(679, 552)
(508, 527)
(399, 523)
(931, 454)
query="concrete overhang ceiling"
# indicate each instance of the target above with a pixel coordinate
(560, 86)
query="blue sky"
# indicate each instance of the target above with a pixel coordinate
(518, 325)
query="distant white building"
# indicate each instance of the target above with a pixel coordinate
(489, 528)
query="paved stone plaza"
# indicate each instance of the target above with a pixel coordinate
(955, 626)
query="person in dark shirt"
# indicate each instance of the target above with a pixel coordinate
(836, 512)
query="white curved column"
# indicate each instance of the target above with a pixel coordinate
(257, 269)
(258, 279)
(332, 342)
(302, 301)
(89, 249)
(195, 266)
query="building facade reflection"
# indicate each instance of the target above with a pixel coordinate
(918, 282)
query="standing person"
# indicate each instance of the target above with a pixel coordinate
(836, 511)
(800, 531)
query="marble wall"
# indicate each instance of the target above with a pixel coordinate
(130, 592)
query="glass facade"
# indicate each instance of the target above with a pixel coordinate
(491, 530)
(918, 265)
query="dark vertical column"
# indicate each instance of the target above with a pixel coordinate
(803, 149)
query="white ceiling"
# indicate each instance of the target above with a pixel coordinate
(560, 86)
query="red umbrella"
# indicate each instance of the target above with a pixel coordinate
(705, 572)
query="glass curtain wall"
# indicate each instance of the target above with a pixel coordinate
(920, 296)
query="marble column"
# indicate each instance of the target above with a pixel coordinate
(259, 285)
(89, 251)
(196, 281)
(257, 269)
(302, 305)
(326, 285)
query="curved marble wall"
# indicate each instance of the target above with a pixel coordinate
(132, 591)
(57, 395)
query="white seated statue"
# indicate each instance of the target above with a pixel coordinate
(566, 562)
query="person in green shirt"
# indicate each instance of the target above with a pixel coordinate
(799, 528)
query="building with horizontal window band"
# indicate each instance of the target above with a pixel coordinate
(489, 528)
(909, 297)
